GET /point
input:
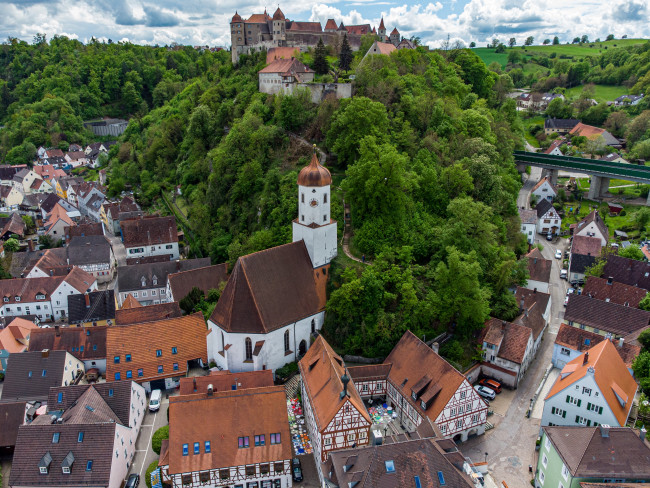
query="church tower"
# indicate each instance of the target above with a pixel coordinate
(314, 224)
(381, 32)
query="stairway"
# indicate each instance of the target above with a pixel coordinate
(292, 386)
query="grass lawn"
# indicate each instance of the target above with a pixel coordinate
(528, 123)
(603, 93)
(489, 56)
(590, 49)
(625, 222)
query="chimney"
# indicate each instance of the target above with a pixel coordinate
(621, 341)
(30, 244)
(534, 290)
(503, 325)
(436, 347)
(51, 272)
(345, 379)
(210, 389)
(521, 305)
(57, 331)
(45, 353)
(610, 280)
(604, 430)
(642, 433)
(586, 358)
(67, 260)
(87, 299)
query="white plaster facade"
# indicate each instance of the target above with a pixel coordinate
(540, 286)
(545, 191)
(167, 249)
(529, 231)
(314, 224)
(592, 230)
(549, 221)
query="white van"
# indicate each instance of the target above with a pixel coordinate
(154, 401)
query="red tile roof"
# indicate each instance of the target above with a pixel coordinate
(331, 25)
(135, 314)
(274, 53)
(582, 340)
(513, 339)
(539, 268)
(148, 231)
(585, 245)
(206, 279)
(291, 65)
(614, 291)
(15, 337)
(306, 26)
(258, 19)
(225, 380)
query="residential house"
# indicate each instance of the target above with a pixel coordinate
(528, 224)
(253, 448)
(90, 198)
(226, 381)
(12, 416)
(91, 441)
(613, 291)
(93, 254)
(548, 220)
(11, 226)
(52, 153)
(76, 158)
(559, 126)
(30, 375)
(180, 284)
(47, 172)
(554, 148)
(23, 180)
(604, 318)
(625, 100)
(283, 75)
(40, 186)
(83, 229)
(7, 172)
(95, 149)
(539, 271)
(85, 344)
(335, 416)
(14, 339)
(592, 133)
(422, 387)
(380, 48)
(570, 456)
(544, 190)
(584, 252)
(534, 312)
(257, 323)
(44, 297)
(628, 271)
(56, 222)
(409, 463)
(91, 309)
(572, 342)
(593, 389)
(10, 196)
(614, 158)
(155, 354)
(593, 226)
(137, 313)
(112, 213)
(147, 282)
(52, 200)
(150, 236)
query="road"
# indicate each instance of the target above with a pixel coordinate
(144, 455)
(523, 199)
(510, 446)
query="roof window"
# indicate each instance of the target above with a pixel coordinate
(390, 466)
(55, 437)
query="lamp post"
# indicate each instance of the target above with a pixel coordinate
(486, 455)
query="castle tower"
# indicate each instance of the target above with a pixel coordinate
(381, 32)
(395, 37)
(237, 36)
(314, 224)
(279, 28)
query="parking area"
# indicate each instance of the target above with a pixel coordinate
(502, 402)
(144, 455)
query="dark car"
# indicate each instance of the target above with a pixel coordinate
(549, 237)
(296, 470)
(132, 481)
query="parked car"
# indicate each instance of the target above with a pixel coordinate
(558, 254)
(577, 282)
(566, 300)
(563, 274)
(549, 237)
(491, 384)
(154, 401)
(132, 481)
(485, 392)
(296, 470)
(567, 253)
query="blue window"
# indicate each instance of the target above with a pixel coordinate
(127, 358)
(441, 478)
(59, 397)
(94, 347)
(160, 368)
(158, 353)
(259, 440)
(140, 373)
(88, 332)
(116, 360)
(80, 437)
(29, 374)
(197, 448)
(207, 446)
(118, 377)
(44, 372)
(89, 408)
(174, 350)
(129, 374)
(82, 349)
(55, 438)
(418, 484)
(390, 466)
(110, 393)
(175, 366)
(89, 465)
(186, 448)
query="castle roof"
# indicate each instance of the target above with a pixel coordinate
(331, 25)
(315, 174)
(381, 24)
(342, 27)
(258, 18)
(306, 26)
(236, 17)
(278, 15)
(395, 31)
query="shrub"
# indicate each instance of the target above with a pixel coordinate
(157, 438)
(452, 350)
(622, 213)
(147, 474)
(212, 364)
(287, 370)
(2, 376)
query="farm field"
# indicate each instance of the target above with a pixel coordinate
(602, 93)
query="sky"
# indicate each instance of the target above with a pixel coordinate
(206, 22)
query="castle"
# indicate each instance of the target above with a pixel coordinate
(261, 31)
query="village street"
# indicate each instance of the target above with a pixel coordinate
(510, 446)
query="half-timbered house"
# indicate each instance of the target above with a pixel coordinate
(252, 448)
(334, 413)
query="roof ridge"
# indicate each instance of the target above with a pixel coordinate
(587, 444)
(250, 290)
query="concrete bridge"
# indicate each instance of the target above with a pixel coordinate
(601, 172)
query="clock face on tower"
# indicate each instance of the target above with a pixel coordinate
(313, 203)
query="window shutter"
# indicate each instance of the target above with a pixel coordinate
(577, 419)
(579, 402)
(600, 410)
(568, 399)
(564, 414)
(588, 406)
(588, 423)
(553, 411)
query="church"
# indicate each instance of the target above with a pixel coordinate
(274, 301)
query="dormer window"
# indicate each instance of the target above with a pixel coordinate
(414, 395)
(17, 298)
(40, 296)
(143, 281)
(6, 299)
(155, 280)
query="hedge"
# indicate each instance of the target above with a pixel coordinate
(157, 438)
(147, 474)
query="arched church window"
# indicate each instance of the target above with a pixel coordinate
(249, 349)
(313, 326)
(286, 341)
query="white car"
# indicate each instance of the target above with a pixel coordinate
(485, 392)
(558, 254)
